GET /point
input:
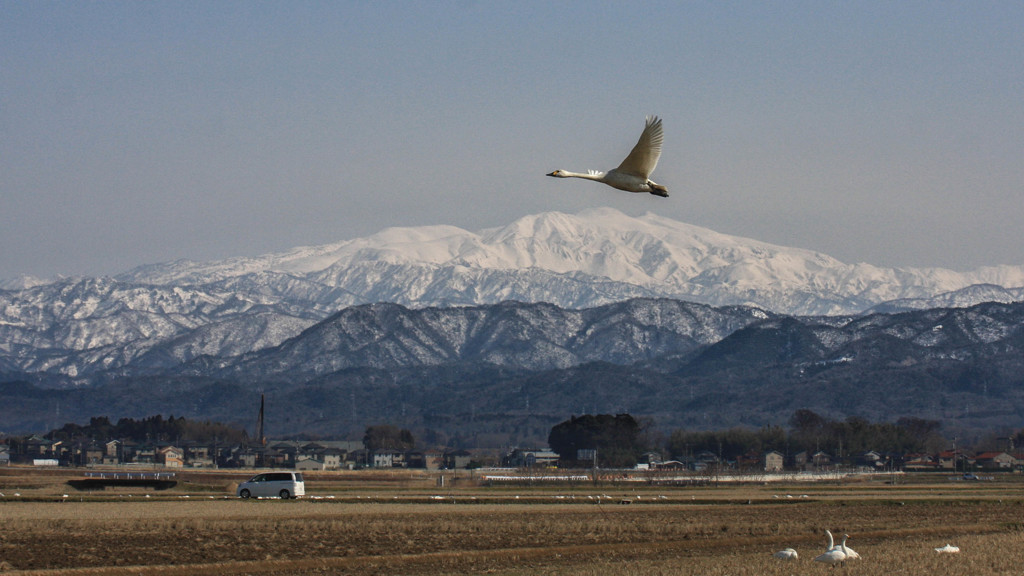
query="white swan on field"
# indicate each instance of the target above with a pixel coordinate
(633, 175)
(948, 549)
(786, 554)
(851, 554)
(832, 556)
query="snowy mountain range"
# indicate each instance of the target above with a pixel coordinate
(509, 371)
(178, 311)
(584, 260)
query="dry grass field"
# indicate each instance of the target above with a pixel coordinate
(405, 523)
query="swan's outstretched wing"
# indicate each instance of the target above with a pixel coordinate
(644, 157)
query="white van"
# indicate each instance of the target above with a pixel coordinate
(282, 485)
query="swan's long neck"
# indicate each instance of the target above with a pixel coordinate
(597, 176)
(843, 543)
(831, 542)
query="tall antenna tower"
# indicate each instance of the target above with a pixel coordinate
(261, 438)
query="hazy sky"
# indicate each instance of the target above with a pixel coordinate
(140, 132)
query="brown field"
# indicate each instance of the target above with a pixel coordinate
(405, 523)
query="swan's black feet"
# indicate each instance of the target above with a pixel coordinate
(659, 190)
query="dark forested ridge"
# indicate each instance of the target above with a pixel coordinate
(511, 371)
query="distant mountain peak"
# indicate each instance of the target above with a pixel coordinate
(594, 257)
(25, 281)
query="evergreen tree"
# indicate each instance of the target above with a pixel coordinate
(388, 437)
(615, 438)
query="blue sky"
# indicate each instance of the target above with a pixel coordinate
(137, 132)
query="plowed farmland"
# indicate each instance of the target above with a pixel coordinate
(407, 525)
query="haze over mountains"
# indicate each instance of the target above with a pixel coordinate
(656, 296)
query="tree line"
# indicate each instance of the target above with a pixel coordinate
(812, 432)
(621, 440)
(150, 429)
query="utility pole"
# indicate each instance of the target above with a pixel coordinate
(954, 455)
(261, 439)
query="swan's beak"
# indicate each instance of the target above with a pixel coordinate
(555, 173)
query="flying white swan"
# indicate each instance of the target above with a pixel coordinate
(834, 555)
(633, 175)
(787, 554)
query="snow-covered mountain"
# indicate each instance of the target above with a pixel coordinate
(72, 327)
(22, 282)
(587, 259)
(962, 298)
(510, 334)
(510, 367)
(174, 312)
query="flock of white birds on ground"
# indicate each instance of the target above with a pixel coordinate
(840, 553)
(634, 174)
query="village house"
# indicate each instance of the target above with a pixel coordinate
(870, 459)
(170, 457)
(39, 447)
(749, 460)
(809, 462)
(281, 454)
(427, 459)
(247, 457)
(332, 453)
(704, 460)
(801, 459)
(433, 459)
(773, 461)
(457, 459)
(88, 453)
(668, 465)
(332, 458)
(198, 455)
(995, 461)
(520, 458)
(954, 460)
(770, 461)
(920, 463)
(145, 454)
(112, 452)
(383, 458)
(129, 450)
(651, 458)
(359, 458)
(307, 463)
(821, 459)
